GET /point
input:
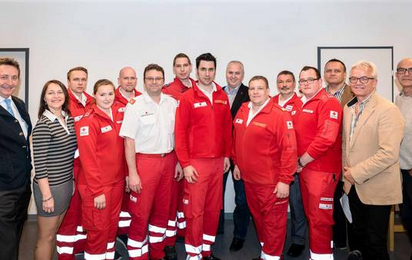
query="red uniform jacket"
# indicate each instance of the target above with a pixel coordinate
(176, 88)
(77, 110)
(202, 129)
(265, 150)
(292, 106)
(120, 103)
(318, 132)
(99, 146)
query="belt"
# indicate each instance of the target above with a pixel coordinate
(147, 155)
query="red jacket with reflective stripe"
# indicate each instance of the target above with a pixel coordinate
(202, 129)
(99, 146)
(176, 88)
(318, 132)
(265, 150)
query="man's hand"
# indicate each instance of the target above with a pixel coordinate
(126, 184)
(281, 190)
(348, 175)
(178, 172)
(226, 164)
(135, 183)
(100, 202)
(236, 173)
(190, 174)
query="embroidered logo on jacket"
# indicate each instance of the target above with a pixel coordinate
(121, 109)
(307, 111)
(289, 124)
(289, 108)
(84, 131)
(218, 101)
(334, 114)
(259, 124)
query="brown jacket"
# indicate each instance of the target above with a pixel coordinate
(373, 152)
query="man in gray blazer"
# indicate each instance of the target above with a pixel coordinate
(15, 161)
(372, 134)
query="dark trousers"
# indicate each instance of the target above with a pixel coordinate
(13, 213)
(406, 206)
(342, 226)
(297, 214)
(370, 228)
(241, 214)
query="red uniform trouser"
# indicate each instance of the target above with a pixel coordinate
(71, 238)
(125, 217)
(270, 216)
(203, 202)
(150, 208)
(177, 224)
(317, 190)
(101, 224)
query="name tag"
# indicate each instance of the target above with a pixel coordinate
(200, 104)
(289, 108)
(106, 129)
(259, 124)
(121, 109)
(77, 118)
(308, 111)
(325, 206)
(239, 121)
(218, 101)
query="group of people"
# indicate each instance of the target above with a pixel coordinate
(149, 167)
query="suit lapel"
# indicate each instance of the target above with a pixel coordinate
(237, 102)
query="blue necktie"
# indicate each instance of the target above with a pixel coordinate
(8, 106)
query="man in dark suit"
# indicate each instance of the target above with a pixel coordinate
(15, 161)
(237, 94)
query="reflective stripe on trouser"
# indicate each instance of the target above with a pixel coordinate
(270, 217)
(71, 238)
(202, 204)
(314, 256)
(268, 257)
(125, 218)
(151, 206)
(172, 225)
(101, 224)
(317, 190)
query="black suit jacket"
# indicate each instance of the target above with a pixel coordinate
(15, 159)
(241, 97)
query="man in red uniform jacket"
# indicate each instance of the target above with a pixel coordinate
(203, 135)
(182, 67)
(127, 81)
(264, 131)
(71, 237)
(288, 99)
(318, 125)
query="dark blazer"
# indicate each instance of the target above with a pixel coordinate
(241, 97)
(15, 159)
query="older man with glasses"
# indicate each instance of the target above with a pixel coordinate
(317, 125)
(372, 133)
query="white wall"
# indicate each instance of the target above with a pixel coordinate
(267, 36)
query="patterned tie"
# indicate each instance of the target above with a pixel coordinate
(8, 105)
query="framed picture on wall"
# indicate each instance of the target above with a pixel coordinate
(21, 55)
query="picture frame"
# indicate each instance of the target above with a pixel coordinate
(21, 55)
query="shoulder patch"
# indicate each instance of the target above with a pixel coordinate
(84, 131)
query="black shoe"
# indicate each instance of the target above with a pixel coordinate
(237, 244)
(355, 255)
(257, 258)
(295, 250)
(170, 253)
(211, 257)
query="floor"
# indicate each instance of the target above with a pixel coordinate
(250, 250)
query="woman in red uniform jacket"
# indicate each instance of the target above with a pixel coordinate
(101, 180)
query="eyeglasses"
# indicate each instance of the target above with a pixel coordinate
(309, 81)
(404, 70)
(363, 80)
(153, 79)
